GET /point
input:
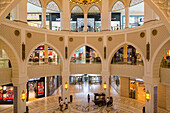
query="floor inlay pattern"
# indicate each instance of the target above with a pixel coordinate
(80, 105)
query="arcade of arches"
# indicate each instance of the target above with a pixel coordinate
(57, 52)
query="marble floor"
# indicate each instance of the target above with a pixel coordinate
(80, 105)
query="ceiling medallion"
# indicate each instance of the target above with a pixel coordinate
(85, 2)
(154, 32)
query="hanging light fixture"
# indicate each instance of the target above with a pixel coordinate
(85, 2)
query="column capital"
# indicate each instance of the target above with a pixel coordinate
(65, 73)
(105, 73)
(151, 81)
(19, 80)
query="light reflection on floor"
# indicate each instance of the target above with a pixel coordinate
(80, 92)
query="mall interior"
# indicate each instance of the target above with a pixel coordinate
(69, 49)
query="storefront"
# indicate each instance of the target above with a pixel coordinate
(137, 89)
(115, 21)
(6, 94)
(81, 78)
(52, 20)
(38, 55)
(53, 83)
(93, 78)
(35, 88)
(115, 83)
(134, 20)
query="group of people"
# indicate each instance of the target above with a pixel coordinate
(61, 104)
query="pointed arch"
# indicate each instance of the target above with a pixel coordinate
(118, 5)
(135, 2)
(119, 46)
(158, 55)
(94, 10)
(12, 55)
(35, 2)
(88, 46)
(76, 9)
(51, 46)
(53, 5)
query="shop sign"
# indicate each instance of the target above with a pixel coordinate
(33, 17)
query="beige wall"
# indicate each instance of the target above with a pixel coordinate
(5, 75)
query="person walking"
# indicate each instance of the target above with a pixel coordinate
(61, 105)
(66, 102)
(107, 101)
(88, 98)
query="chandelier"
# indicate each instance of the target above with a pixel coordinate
(85, 2)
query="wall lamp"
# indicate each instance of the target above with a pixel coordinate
(147, 96)
(66, 86)
(23, 95)
(105, 86)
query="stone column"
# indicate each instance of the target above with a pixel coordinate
(85, 22)
(43, 18)
(105, 16)
(19, 13)
(65, 78)
(46, 54)
(19, 86)
(149, 14)
(65, 16)
(125, 53)
(151, 85)
(127, 17)
(106, 79)
(124, 86)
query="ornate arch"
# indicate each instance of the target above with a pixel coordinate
(53, 4)
(51, 46)
(35, 2)
(158, 55)
(13, 56)
(135, 2)
(119, 46)
(100, 55)
(78, 6)
(92, 7)
(118, 5)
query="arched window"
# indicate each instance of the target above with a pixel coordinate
(53, 16)
(77, 19)
(85, 55)
(136, 13)
(132, 56)
(118, 16)
(94, 19)
(34, 11)
(44, 54)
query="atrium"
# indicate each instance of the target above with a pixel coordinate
(84, 56)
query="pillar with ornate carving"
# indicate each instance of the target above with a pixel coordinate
(19, 13)
(65, 16)
(105, 16)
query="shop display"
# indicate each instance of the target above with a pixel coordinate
(6, 94)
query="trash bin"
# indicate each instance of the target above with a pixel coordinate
(144, 109)
(71, 98)
(59, 99)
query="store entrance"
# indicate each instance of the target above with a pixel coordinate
(35, 88)
(83, 84)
